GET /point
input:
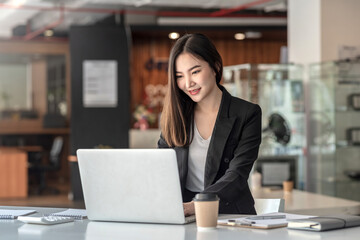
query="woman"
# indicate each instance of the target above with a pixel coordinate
(216, 136)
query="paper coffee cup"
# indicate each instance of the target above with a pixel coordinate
(288, 186)
(206, 210)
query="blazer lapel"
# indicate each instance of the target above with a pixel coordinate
(221, 132)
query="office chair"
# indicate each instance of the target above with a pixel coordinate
(263, 206)
(39, 169)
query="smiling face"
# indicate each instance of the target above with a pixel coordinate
(195, 77)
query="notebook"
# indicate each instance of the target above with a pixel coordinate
(131, 185)
(77, 214)
(325, 223)
(13, 214)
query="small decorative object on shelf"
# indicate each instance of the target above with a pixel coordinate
(353, 135)
(279, 128)
(354, 101)
(353, 174)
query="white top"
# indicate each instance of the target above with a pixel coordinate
(196, 162)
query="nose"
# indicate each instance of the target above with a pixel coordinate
(189, 82)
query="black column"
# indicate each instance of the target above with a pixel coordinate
(93, 126)
(108, 126)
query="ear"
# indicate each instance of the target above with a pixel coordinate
(217, 68)
(214, 73)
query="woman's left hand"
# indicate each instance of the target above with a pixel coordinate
(189, 208)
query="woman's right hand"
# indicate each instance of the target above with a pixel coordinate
(189, 208)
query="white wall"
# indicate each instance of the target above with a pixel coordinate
(340, 21)
(304, 33)
(317, 28)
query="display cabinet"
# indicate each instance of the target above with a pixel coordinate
(278, 89)
(334, 129)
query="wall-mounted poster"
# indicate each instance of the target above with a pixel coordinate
(100, 83)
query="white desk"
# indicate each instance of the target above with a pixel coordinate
(85, 229)
(307, 203)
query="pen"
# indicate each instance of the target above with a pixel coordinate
(266, 217)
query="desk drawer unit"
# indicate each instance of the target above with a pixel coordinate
(13, 173)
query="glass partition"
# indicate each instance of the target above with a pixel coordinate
(278, 89)
(334, 134)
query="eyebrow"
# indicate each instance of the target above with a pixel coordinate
(196, 66)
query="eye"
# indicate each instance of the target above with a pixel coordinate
(178, 77)
(195, 72)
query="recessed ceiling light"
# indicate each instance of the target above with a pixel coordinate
(174, 35)
(49, 33)
(239, 36)
(17, 3)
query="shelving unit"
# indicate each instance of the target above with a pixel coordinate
(334, 147)
(56, 84)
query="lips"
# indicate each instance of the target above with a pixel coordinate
(195, 91)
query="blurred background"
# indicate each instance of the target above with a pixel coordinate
(93, 74)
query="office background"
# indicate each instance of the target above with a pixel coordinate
(287, 47)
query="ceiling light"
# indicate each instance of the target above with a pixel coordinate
(17, 3)
(174, 35)
(49, 33)
(239, 36)
(253, 35)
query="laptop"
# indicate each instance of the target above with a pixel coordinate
(132, 185)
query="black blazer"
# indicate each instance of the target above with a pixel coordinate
(233, 149)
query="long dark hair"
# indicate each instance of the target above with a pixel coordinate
(178, 112)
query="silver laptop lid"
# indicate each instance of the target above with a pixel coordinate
(131, 185)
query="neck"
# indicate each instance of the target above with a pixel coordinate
(212, 103)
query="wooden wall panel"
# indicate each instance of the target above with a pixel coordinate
(256, 51)
(143, 73)
(158, 48)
